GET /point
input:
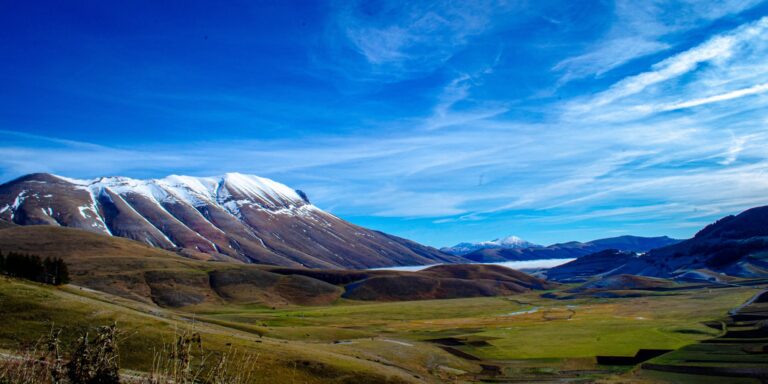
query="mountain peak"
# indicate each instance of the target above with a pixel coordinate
(509, 242)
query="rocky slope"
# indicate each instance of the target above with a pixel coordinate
(231, 217)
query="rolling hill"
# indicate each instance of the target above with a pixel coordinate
(445, 282)
(231, 217)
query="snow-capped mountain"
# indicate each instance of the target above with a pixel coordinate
(509, 242)
(234, 216)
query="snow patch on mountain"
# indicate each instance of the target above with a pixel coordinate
(251, 190)
(509, 242)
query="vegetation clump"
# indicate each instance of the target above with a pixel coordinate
(52, 271)
(95, 360)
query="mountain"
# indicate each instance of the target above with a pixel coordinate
(734, 245)
(509, 242)
(571, 250)
(230, 217)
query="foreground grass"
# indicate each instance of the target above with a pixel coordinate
(28, 311)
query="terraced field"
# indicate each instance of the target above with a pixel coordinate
(739, 353)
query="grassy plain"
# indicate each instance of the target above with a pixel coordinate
(520, 327)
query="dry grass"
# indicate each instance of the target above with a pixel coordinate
(96, 361)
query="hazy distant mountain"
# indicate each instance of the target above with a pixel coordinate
(234, 216)
(572, 249)
(509, 242)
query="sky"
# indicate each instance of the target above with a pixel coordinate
(440, 121)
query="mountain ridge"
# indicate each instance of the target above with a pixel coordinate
(569, 250)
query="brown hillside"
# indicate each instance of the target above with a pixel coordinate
(486, 272)
(133, 270)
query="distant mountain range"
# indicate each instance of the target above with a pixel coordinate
(230, 217)
(574, 249)
(734, 246)
(509, 242)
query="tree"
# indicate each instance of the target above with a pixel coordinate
(58, 271)
(49, 271)
(24, 266)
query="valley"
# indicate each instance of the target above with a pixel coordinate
(519, 338)
(384, 192)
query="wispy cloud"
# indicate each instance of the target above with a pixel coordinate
(397, 40)
(753, 90)
(642, 28)
(741, 48)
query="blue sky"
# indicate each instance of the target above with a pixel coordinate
(441, 122)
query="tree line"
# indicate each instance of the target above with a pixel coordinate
(31, 267)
